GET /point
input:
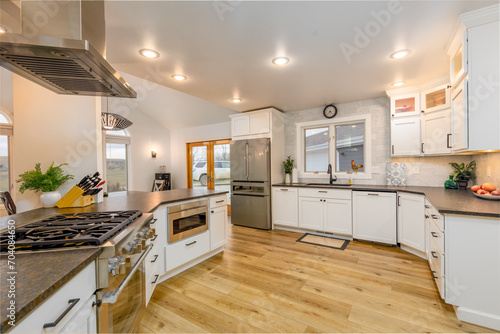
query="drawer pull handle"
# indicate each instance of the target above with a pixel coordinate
(153, 221)
(191, 243)
(284, 189)
(427, 206)
(427, 216)
(433, 275)
(322, 191)
(435, 235)
(219, 201)
(212, 211)
(370, 194)
(434, 217)
(154, 238)
(156, 257)
(72, 303)
(434, 255)
(156, 279)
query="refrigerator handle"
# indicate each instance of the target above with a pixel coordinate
(246, 159)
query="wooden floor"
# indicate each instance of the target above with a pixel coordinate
(265, 281)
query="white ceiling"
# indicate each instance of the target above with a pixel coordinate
(225, 48)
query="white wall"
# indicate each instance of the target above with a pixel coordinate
(6, 92)
(50, 127)
(432, 171)
(488, 168)
(179, 138)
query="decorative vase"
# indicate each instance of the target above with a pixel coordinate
(287, 178)
(50, 198)
(450, 184)
(462, 184)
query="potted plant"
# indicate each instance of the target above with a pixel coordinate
(463, 173)
(288, 167)
(47, 182)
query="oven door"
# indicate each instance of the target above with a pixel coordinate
(186, 223)
(123, 303)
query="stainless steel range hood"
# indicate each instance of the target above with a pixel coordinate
(50, 44)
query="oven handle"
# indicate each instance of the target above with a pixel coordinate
(110, 297)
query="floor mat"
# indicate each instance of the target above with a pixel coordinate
(329, 242)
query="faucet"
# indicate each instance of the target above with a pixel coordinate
(330, 171)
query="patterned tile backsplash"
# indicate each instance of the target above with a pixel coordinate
(420, 171)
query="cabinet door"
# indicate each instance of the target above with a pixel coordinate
(311, 213)
(459, 117)
(405, 136)
(259, 123)
(436, 132)
(374, 216)
(411, 221)
(240, 125)
(338, 216)
(436, 99)
(218, 227)
(405, 105)
(85, 321)
(285, 207)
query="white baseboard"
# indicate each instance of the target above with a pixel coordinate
(413, 251)
(479, 318)
(190, 264)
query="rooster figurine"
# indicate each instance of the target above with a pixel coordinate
(354, 167)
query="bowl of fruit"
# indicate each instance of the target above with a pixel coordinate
(486, 191)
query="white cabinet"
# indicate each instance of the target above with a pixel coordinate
(374, 216)
(325, 210)
(74, 299)
(159, 223)
(185, 250)
(260, 122)
(436, 132)
(240, 125)
(218, 227)
(405, 136)
(411, 221)
(285, 206)
(460, 118)
(436, 98)
(405, 105)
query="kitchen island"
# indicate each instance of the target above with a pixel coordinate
(39, 274)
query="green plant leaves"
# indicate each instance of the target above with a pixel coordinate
(288, 165)
(36, 180)
(463, 172)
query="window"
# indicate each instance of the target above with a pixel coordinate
(117, 161)
(5, 152)
(336, 142)
(200, 164)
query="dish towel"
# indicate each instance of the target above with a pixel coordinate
(396, 174)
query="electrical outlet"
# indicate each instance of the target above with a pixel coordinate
(488, 171)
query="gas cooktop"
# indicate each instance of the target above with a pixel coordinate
(70, 229)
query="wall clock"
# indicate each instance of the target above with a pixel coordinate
(330, 111)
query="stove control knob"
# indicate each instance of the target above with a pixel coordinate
(147, 233)
(133, 247)
(116, 265)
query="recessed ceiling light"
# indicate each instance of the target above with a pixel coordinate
(179, 77)
(236, 99)
(148, 53)
(353, 126)
(398, 84)
(2, 30)
(280, 61)
(400, 54)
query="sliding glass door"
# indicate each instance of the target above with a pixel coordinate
(208, 165)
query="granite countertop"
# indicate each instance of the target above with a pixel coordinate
(38, 276)
(447, 201)
(41, 273)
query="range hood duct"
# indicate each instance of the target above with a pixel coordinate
(60, 45)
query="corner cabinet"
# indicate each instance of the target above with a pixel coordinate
(405, 137)
(411, 221)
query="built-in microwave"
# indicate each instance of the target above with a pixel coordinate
(187, 219)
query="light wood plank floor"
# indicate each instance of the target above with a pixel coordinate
(265, 281)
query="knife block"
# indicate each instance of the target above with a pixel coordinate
(74, 199)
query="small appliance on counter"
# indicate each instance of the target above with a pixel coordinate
(166, 178)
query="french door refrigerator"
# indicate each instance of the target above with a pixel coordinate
(250, 183)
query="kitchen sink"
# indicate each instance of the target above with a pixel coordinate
(329, 185)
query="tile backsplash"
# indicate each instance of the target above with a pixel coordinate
(421, 171)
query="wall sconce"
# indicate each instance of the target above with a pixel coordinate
(153, 153)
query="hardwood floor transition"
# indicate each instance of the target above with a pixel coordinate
(265, 281)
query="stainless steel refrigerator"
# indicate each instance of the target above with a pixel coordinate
(250, 183)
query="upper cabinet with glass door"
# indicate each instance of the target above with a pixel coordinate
(457, 52)
(405, 105)
(436, 99)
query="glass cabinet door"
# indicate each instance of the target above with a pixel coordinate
(436, 99)
(405, 105)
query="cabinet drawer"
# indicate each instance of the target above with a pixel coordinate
(81, 287)
(438, 279)
(151, 281)
(187, 249)
(152, 260)
(437, 236)
(434, 214)
(436, 258)
(218, 201)
(325, 193)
